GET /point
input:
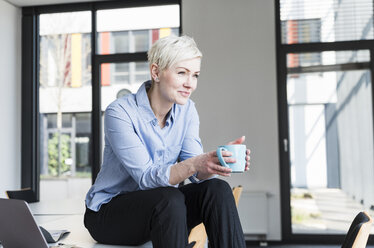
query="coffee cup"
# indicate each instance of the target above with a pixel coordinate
(239, 152)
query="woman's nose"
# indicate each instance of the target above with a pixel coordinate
(188, 81)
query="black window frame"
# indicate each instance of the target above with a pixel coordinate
(30, 150)
(284, 148)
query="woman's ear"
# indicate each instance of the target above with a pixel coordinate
(155, 72)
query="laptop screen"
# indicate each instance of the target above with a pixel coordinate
(18, 227)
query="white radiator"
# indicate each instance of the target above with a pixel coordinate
(253, 213)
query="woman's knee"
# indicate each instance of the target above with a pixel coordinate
(172, 199)
(219, 188)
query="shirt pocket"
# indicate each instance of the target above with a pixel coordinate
(173, 153)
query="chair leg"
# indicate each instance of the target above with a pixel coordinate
(199, 235)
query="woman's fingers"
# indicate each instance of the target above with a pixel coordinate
(224, 154)
(247, 158)
(218, 169)
(214, 166)
(247, 166)
(212, 153)
(226, 159)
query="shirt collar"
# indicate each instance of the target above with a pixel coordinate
(143, 103)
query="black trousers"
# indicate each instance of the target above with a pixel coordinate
(167, 215)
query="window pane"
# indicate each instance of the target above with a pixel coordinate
(121, 41)
(331, 146)
(65, 23)
(305, 21)
(129, 30)
(65, 104)
(141, 72)
(141, 38)
(117, 79)
(326, 58)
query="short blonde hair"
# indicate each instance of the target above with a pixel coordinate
(171, 49)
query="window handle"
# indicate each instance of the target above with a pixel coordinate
(285, 144)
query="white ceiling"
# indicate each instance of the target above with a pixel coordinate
(22, 3)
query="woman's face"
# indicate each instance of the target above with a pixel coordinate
(179, 81)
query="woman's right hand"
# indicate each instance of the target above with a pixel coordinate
(207, 164)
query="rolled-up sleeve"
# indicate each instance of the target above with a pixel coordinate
(132, 153)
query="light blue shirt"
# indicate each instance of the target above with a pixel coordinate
(138, 154)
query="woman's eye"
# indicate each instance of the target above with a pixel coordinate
(181, 73)
(196, 76)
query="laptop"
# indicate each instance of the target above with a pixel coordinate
(19, 229)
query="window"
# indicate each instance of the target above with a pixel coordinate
(64, 95)
(131, 30)
(324, 52)
(120, 37)
(87, 55)
(326, 21)
(301, 31)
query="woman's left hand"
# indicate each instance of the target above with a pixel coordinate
(239, 141)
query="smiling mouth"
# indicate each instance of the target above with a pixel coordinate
(185, 93)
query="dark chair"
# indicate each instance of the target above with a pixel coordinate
(358, 232)
(23, 194)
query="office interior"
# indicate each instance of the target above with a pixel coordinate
(249, 84)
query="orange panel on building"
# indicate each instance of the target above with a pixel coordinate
(105, 49)
(292, 37)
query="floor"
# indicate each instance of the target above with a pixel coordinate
(68, 214)
(294, 246)
(314, 210)
(301, 246)
(324, 211)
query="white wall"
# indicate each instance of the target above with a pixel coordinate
(236, 92)
(10, 97)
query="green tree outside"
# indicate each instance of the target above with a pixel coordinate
(53, 162)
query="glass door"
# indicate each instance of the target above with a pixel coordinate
(70, 78)
(65, 104)
(330, 118)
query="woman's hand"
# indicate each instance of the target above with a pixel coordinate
(239, 141)
(207, 164)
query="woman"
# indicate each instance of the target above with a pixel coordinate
(135, 197)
